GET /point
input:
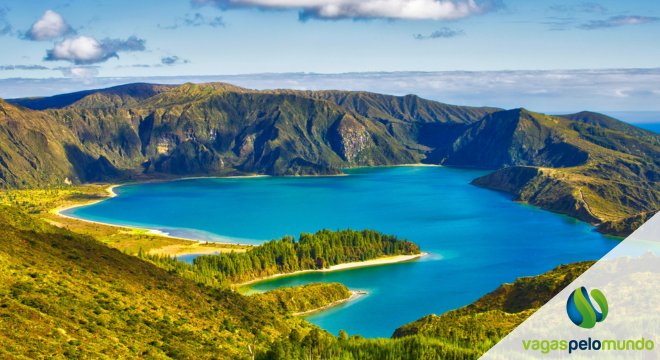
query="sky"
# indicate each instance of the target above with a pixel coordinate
(590, 50)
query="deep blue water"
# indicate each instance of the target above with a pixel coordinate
(477, 238)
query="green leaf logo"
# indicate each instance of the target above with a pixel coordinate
(581, 310)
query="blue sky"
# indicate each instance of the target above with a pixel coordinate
(89, 39)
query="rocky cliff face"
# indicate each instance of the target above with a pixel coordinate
(350, 138)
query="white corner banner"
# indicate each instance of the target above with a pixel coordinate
(612, 311)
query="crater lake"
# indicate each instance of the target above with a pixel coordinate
(476, 238)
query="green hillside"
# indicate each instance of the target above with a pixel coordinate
(65, 295)
(152, 130)
(68, 295)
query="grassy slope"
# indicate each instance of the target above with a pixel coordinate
(66, 294)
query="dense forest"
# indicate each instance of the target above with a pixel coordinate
(310, 252)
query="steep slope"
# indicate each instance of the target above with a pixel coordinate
(514, 137)
(215, 129)
(409, 108)
(27, 156)
(414, 122)
(37, 148)
(624, 227)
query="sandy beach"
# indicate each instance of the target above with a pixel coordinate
(345, 266)
(111, 193)
(190, 246)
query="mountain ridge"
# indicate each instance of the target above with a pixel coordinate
(588, 165)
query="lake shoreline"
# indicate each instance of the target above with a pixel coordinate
(111, 194)
(339, 267)
(196, 246)
(191, 246)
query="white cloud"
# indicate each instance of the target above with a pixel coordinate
(621, 92)
(367, 9)
(79, 49)
(87, 50)
(50, 26)
(552, 91)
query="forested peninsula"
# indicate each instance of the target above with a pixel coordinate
(317, 251)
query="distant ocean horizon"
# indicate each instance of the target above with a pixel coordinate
(649, 120)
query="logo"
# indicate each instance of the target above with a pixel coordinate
(581, 310)
(583, 313)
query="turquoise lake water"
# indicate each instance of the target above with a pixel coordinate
(477, 238)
